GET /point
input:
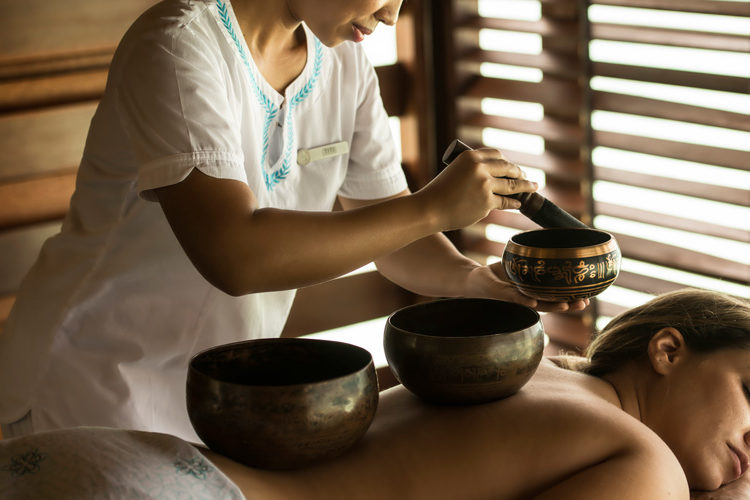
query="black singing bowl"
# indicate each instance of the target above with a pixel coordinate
(562, 264)
(464, 351)
(282, 403)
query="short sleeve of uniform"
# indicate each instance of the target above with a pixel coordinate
(174, 104)
(374, 169)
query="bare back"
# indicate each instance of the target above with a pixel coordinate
(550, 438)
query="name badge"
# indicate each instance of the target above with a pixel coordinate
(305, 156)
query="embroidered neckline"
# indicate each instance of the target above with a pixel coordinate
(278, 175)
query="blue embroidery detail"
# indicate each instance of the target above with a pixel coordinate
(196, 467)
(25, 463)
(271, 111)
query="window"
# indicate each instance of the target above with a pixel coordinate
(634, 115)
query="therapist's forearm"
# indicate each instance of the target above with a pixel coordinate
(304, 248)
(431, 266)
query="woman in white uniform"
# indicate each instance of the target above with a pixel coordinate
(203, 200)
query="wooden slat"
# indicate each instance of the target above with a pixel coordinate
(672, 77)
(672, 37)
(545, 27)
(52, 90)
(561, 97)
(672, 149)
(646, 284)
(558, 9)
(609, 309)
(43, 141)
(344, 301)
(19, 249)
(669, 110)
(680, 258)
(727, 8)
(36, 200)
(735, 196)
(549, 128)
(670, 221)
(55, 64)
(550, 62)
(40, 28)
(552, 163)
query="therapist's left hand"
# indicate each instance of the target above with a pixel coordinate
(492, 282)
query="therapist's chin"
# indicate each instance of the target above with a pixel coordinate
(341, 35)
(331, 40)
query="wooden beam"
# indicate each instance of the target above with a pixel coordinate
(52, 90)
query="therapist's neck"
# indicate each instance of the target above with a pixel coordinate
(268, 25)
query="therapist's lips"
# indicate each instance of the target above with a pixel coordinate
(741, 462)
(359, 32)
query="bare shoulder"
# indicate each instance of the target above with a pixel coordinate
(583, 414)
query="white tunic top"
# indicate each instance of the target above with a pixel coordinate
(110, 314)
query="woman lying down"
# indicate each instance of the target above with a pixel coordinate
(661, 405)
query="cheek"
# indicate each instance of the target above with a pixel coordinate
(699, 424)
(696, 449)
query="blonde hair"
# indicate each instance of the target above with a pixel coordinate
(708, 321)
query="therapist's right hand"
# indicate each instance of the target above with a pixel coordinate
(474, 184)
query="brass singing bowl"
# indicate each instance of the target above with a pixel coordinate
(464, 351)
(562, 264)
(282, 403)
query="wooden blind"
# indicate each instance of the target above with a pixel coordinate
(637, 114)
(670, 117)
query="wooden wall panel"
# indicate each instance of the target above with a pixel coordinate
(44, 29)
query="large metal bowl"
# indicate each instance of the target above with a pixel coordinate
(464, 351)
(282, 403)
(562, 264)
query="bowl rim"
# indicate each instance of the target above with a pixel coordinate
(467, 337)
(282, 340)
(523, 250)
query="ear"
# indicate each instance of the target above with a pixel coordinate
(666, 349)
